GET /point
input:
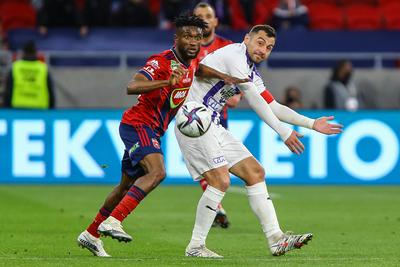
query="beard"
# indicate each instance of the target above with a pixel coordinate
(187, 55)
(206, 33)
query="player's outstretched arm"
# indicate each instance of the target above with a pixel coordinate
(263, 110)
(290, 116)
(140, 84)
(323, 126)
(207, 72)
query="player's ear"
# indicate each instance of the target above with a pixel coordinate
(246, 38)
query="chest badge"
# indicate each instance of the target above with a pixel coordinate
(178, 96)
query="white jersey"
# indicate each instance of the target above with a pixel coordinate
(232, 60)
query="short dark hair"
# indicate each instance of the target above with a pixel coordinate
(338, 66)
(269, 30)
(189, 20)
(29, 48)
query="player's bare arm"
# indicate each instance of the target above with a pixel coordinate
(323, 126)
(294, 143)
(207, 72)
(141, 85)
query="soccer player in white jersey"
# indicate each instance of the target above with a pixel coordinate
(217, 153)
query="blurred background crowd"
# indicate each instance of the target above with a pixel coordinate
(82, 28)
(235, 14)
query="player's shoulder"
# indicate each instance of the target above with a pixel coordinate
(222, 41)
(234, 52)
(163, 57)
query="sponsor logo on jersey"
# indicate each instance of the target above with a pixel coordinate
(174, 65)
(156, 144)
(228, 92)
(187, 79)
(219, 159)
(178, 96)
(154, 64)
(134, 148)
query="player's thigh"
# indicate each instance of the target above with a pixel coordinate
(154, 163)
(203, 153)
(249, 170)
(140, 142)
(233, 149)
(218, 178)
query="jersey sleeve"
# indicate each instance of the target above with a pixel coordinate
(155, 68)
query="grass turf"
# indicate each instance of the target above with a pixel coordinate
(352, 226)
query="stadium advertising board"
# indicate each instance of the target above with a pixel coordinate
(72, 146)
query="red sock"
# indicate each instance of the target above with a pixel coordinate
(100, 217)
(128, 203)
(203, 184)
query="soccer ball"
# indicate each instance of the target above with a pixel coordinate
(193, 119)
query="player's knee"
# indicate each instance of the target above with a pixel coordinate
(259, 174)
(157, 176)
(224, 184)
(220, 183)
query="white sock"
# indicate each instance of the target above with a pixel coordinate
(262, 206)
(206, 211)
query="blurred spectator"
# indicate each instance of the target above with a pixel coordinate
(60, 13)
(221, 11)
(170, 9)
(28, 83)
(135, 13)
(248, 10)
(292, 98)
(290, 14)
(341, 92)
(96, 13)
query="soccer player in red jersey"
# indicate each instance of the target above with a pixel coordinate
(211, 42)
(163, 85)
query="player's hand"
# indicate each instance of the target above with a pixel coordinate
(177, 75)
(233, 80)
(294, 143)
(323, 126)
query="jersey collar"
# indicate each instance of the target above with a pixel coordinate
(178, 58)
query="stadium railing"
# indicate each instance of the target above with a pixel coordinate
(126, 59)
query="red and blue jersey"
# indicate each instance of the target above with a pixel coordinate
(157, 108)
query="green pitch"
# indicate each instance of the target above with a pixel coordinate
(352, 226)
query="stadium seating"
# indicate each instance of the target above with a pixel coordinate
(356, 2)
(391, 15)
(325, 17)
(17, 14)
(310, 2)
(239, 22)
(385, 2)
(263, 11)
(362, 17)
